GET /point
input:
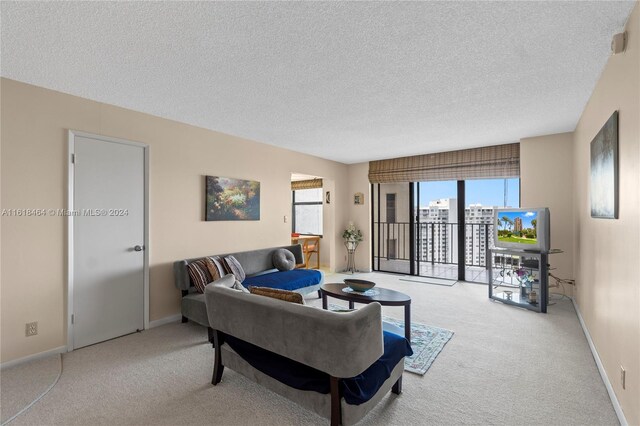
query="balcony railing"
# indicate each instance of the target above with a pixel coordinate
(435, 242)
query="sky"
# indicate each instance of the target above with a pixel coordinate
(488, 192)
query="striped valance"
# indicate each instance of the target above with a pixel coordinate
(306, 184)
(499, 161)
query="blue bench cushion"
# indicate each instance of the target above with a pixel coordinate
(355, 390)
(285, 280)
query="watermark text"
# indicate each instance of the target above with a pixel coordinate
(63, 212)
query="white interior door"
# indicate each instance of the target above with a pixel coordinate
(108, 239)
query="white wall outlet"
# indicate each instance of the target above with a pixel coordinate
(622, 377)
(31, 329)
(286, 219)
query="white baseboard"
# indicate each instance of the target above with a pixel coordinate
(165, 320)
(612, 395)
(34, 357)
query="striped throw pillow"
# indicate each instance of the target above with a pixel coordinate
(234, 267)
(199, 274)
(217, 267)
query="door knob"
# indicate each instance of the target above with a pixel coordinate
(138, 248)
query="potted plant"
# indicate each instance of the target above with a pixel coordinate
(352, 234)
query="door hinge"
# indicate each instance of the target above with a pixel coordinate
(73, 159)
(73, 319)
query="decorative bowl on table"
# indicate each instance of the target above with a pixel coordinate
(359, 285)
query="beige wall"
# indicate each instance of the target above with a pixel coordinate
(607, 252)
(328, 246)
(34, 167)
(360, 215)
(546, 180)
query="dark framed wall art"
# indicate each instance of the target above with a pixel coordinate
(231, 199)
(604, 171)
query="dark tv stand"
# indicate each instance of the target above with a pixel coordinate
(519, 278)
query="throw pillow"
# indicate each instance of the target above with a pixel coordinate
(287, 296)
(283, 259)
(234, 267)
(216, 267)
(199, 274)
(238, 286)
(229, 281)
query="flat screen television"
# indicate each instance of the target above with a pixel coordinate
(523, 229)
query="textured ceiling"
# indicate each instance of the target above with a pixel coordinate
(345, 81)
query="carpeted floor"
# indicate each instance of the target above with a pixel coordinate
(504, 366)
(25, 383)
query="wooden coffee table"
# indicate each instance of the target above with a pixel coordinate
(383, 296)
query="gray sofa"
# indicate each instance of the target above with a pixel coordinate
(254, 262)
(340, 344)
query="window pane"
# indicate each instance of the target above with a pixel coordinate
(391, 208)
(307, 195)
(493, 192)
(483, 196)
(392, 236)
(308, 219)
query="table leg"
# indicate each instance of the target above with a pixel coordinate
(351, 305)
(324, 299)
(407, 322)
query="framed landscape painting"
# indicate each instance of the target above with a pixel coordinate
(231, 199)
(604, 171)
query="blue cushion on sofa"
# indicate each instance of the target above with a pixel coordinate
(285, 280)
(363, 387)
(355, 390)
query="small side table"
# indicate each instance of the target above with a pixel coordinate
(351, 251)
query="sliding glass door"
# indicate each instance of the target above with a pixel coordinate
(437, 229)
(392, 225)
(440, 229)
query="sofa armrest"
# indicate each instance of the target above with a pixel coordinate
(340, 344)
(181, 275)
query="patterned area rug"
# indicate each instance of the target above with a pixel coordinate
(426, 341)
